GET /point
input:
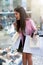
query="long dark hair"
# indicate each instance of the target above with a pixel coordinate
(23, 15)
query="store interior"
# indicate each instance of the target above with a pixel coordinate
(34, 9)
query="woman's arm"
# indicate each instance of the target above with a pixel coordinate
(34, 27)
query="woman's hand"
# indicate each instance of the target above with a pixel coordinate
(35, 33)
(15, 24)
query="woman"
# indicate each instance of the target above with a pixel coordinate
(25, 26)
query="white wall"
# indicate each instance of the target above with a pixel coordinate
(35, 9)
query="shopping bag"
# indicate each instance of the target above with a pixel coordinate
(15, 42)
(34, 42)
(15, 37)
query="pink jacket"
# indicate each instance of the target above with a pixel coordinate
(30, 26)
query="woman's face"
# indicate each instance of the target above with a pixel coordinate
(17, 15)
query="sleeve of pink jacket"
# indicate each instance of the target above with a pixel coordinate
(33, 25)
(30, 26)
